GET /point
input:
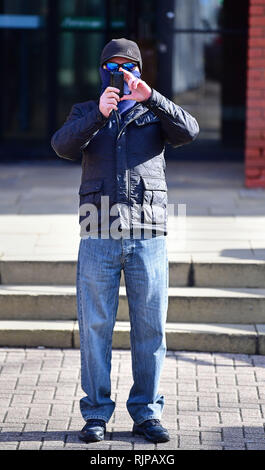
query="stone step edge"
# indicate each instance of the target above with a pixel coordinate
(208, 337)
(201, 273)
(37, 290)
(173, 257)
(185, 304)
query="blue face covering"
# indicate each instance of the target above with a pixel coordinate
(125, 105)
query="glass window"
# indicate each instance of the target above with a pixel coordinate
(24, 7)
(23, 106)
(82, 7)
(196, 83)
(208, 67)
(118, 12)
(82, 14)
(23, 49)
(146, 21)
(81, 38)
(78, 75)
(84, 30)
(201, 14)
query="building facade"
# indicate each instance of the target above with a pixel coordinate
(199, 53)
(255, 121)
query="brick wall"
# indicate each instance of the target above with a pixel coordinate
(255, 117)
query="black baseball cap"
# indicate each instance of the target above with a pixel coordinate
(121, 48)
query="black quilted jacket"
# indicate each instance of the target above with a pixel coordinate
(124, 161)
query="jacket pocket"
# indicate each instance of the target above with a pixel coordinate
(155, 190)
(155, 195)
(90, 191)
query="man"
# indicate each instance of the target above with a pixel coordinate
(122, 142)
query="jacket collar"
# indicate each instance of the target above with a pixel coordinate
(138, 110)
(135, 112)
(138, 114)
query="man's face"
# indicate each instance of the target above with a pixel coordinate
(121, 60)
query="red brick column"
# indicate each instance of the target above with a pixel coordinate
(255, 106)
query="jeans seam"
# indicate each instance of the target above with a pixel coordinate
(80, 311)
(167, 281)
(131, 314)
(133, 349)
(109, 348)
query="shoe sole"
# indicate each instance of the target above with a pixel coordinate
(139, 433)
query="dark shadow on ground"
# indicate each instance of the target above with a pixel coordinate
(245, 438)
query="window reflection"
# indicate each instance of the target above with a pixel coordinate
(197, 84)
(82, 7)
(193, 14)
(118, 11)
(208, 67)
(30, 7)
(197, 63)
(78, 76)
(23, 69)
(194, 52)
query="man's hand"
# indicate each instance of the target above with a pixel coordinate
(140, 91)
(109, 100)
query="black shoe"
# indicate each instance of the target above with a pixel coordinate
(93, 431)
(152, 430)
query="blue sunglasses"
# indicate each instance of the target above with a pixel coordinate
(113, 67)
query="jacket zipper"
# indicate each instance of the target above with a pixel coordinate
(118, 122)
(129, 199)
(128, 170)
(129, 121)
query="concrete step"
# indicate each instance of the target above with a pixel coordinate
(185, 304)
(210, 337)
(58, 272)
(184, 270)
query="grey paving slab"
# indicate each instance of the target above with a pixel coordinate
(29, 420)
(221, 214)
(213, 400)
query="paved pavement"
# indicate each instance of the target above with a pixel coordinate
(213, 401)
(214, 213)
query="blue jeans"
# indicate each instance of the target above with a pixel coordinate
(99, 265)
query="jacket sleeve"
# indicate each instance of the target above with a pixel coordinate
(77, 131)
(178, 126)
